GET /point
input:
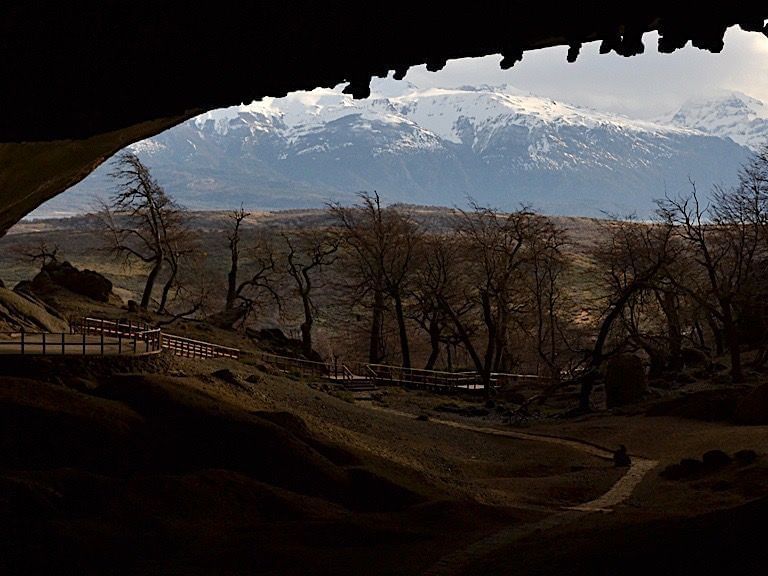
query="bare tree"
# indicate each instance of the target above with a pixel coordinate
(439, 278)
(547, 265)
(260, 285)
(633, 257)
(40, 252)
(720, 244)
(494, 245)
(236, 218)
(189, 293)
(181, 250)
(307, 254)
(382, 242)
(142, 221)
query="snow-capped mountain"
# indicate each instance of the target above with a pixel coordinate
(497, 145)
(728, 114)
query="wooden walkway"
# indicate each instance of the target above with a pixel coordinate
(47, 344)
(360, 376)
(98, 336)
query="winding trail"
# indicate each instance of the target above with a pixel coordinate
(458, 561)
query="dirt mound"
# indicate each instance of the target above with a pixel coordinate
(20, 311)
(159, 424)
(141, 472)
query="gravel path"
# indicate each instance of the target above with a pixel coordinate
(459, 561)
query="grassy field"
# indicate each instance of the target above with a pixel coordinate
(338, 325)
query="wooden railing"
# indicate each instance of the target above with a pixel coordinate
(299, 365)
(155, 340)
(88, 336)
(131, 336)
(189, 348)
(382, 374)
(432, 379)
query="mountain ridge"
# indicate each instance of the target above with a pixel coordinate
(497, 145)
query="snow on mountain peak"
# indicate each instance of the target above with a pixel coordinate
(738, 116)
(472, 114)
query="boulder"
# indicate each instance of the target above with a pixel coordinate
(625, 381)
(745, 457)
(753, 408)
(84, 282)
(227, 375)
(716, 459)
(274, 341)
(19, 311)
(693, 357)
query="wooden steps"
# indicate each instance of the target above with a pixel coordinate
(358, 385)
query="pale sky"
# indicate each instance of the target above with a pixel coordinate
(645, 86)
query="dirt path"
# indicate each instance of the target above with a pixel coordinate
(458, 561)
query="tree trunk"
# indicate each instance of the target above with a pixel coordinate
(585, 393)
(464, 336)
(732, 335)
(717, 334)
(149, 286)
(377, 328)
(500, 362)
(434, 341)
(674, 333)
(403, 328)
(588, 380)
(700, 335)
(166, 290)
(232, 284)
(306, 327)
(486, 368)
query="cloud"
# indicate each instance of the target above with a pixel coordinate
(648, 85)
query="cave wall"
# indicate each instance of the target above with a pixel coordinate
(84, 79)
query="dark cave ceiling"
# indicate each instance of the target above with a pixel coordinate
(82, 82)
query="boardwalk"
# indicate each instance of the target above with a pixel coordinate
(72, 344)
(98, 336)
(361, 376)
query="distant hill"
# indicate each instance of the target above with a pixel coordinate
(437, 147)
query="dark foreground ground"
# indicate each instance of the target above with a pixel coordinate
(167, 467)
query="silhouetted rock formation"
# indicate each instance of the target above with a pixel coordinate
(625, 381)
(274, 341)
(62, 274)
